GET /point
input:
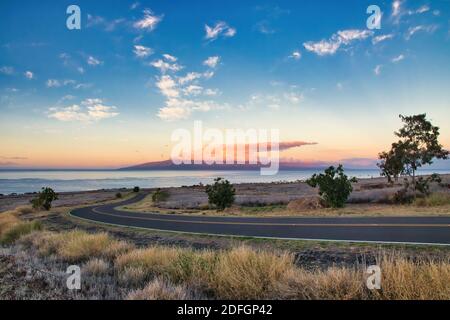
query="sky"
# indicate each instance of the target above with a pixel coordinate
(111, 94)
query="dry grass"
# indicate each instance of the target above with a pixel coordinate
(77, 245)
(7, 219)
(434, 200)
(160, 289)
(243, 273)
(239, 273)
(12, 228)
(178, 265)
(96, 266)
(17, 230)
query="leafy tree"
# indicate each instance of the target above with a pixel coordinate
(391, 163)
(419, 139)
(334, 186)
(418, 145)
(221, 193)
(136, 189)
(44, 199)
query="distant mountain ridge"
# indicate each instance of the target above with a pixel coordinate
(169, 165)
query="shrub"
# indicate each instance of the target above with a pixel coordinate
(17, 230)
(160, 195)
(334, 186)
(44, 199)
(118, 195)
(221, 193)
(136, 189)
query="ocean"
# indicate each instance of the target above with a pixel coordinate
(24, 181)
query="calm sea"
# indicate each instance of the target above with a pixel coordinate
(64, 181)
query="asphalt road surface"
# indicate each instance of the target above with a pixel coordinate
(416, 230)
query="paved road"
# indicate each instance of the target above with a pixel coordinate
(419, 230)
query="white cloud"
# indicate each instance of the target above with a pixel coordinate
(347, 36)
(398, 58)
(421, 28)
(183, 94)
(323, 47)
(7, 70)
(141, 51)
(191, 76)
(92, 61)
(377, 70)
(396, 8)
(29, 75)
(148, 22)
(330, 47)
(165, 66)
(91, 110)
(167, 86)
(219, 29)
(53, 83)
(170, 58)
(381, 38)
(212, 61)
(193, 90)
(296, 55)
(423, 9)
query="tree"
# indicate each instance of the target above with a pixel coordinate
(44, 199)
(221, 193)
(334, 186)
(419, 138)
(418, 145)
(136, 189)
(391, 163)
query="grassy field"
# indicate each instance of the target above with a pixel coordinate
(241, 272)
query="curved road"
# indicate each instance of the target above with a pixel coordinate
(416, 230)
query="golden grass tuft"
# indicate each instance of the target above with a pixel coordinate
(17, 230)
(244, 273)
(78, 245)
(96, 266)
(7, 219)
(160, 289)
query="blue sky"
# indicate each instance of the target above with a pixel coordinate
(111, 93)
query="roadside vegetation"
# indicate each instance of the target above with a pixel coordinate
(120, 270)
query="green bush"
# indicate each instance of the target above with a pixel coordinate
(18, 230)
(334, 186)
(118, 195)
(44, 199)
(160, 195)
(221, 193)
(136, 189)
